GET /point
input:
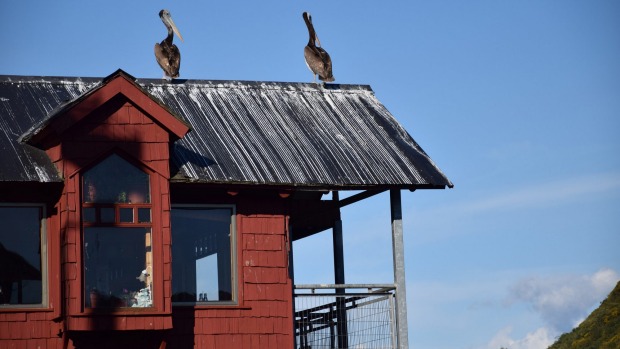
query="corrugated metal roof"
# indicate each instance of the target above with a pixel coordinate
(265, 133)
(25, 101)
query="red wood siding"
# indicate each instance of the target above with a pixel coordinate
(29, 330)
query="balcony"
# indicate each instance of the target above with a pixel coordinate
(346, 316)
(340, 315)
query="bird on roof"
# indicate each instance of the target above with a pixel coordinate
(167, 54)
(317, 59)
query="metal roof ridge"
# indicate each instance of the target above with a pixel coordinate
(63, 80)
(213, 83)
(251, 84)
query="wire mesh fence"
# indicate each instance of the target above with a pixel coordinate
(345, 316)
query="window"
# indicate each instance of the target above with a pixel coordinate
(203, 254)
(116, 221)
(22, 256)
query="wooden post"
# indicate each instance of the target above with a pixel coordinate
(399, 268)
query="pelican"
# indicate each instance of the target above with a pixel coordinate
(317, 59)
(167, 54)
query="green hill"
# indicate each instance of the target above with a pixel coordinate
(601, 330)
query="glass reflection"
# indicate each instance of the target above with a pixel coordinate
(117, 267)
(202, 254)
(20, 256)
(114, 180)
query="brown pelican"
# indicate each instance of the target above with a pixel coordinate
(167, 53)
(317, 59)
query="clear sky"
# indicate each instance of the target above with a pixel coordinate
(518, 102)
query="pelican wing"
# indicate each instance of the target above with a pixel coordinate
(319, 62)
(169, 58)
(327, 66)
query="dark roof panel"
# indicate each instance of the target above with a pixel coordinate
(286, 134)
(25, 101)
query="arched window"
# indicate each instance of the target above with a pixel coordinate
(116, 222)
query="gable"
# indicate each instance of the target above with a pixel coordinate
(116, 88)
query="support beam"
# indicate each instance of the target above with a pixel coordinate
(342, 333)
(358, 197)
(338, 245)
(398, 251)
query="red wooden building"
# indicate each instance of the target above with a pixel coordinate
(153, 214)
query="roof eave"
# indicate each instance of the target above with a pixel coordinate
(310, 186)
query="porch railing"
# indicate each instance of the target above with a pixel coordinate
(345, 316)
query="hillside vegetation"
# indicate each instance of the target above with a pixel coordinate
(601, 330)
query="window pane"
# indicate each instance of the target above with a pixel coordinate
(144, 215)
(107, 214)
(114, 180)
(202, 260)
(20, 256)
(89, 214)
(126, 215)
(117, 267)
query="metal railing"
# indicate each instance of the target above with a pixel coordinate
(345, 316)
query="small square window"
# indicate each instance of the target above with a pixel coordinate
(107, 215)
(144, 215)
(126, 215)
(89, 214)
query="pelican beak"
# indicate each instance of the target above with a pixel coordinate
(174, 27)
(317, 40)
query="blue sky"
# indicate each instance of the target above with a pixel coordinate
(516, 101)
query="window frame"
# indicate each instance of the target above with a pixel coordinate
(117, 215)
(234, 277)
(43, 245)
(156, 307)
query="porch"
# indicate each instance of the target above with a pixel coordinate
(342, 315)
